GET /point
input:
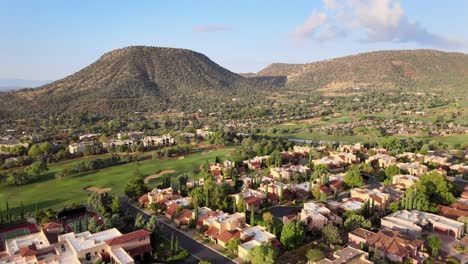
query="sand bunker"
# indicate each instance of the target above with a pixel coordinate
(157, 175)
(98, 190)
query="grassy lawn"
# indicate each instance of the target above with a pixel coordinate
(450, 140)
(57, 193)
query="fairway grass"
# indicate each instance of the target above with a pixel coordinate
(57, 193)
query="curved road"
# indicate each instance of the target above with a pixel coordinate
(198, 251)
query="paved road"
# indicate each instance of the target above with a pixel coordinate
(198, 250)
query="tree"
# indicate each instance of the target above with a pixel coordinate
(316, 191)
(431, 189)
(34, 151)
(314, 255)
(392, 170)
(36, 169)
(22, 211)
(331, 234)
(319, 170)
(152, 224)
(233, 244)
(424, 149)
(267, 219)
(366, 168)
(241, 204)
(103, 139)
(93, 225)
(45, 147)
(197, 196)
(252, 215)
(263, 254)
(135, 185)
(435, 243)
(353, 177)
(393, 206)
(172, 244)
(275, 159)
(115, 206)
(323, 197)
(356, 221)
(293, 234)
(18, 177)
(139, 221)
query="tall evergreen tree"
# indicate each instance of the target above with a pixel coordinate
(176, 247)
(22, 211)
(252, 215)
(172, 244)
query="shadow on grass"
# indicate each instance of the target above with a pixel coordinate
(30, 209)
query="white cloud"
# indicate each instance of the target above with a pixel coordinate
(375, 20)
(308, 28)
(211, 28)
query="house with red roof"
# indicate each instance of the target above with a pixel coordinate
(184, 217)
(396, 247)
(134, 243)
(227, 235)
(109, 246)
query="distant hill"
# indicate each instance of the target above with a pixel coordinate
(158, 80)
(138, 78)
(7, 84)
(425, 68)
(248, 74)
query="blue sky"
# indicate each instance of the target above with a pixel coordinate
(49, 39)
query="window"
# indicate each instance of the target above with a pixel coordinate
(88, 256)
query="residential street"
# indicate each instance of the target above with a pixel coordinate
(198, 251)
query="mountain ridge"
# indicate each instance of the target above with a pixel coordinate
(155, 79)
(383, 66)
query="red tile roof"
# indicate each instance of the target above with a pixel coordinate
(325, 189)
(51, 225)
(393, 242)
(128, 237)
(143, 198)
(226, 235)
(461, 206)
(183, 215)
(139, 250)
(216, 172)
(202, 218)
(172, 209)
(30, 250)
(361, 232)
(273, 197)
(252, 200)
(212, 232)
(336, 183)
(451, 213)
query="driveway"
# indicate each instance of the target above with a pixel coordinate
(198, 251)
(448, 247)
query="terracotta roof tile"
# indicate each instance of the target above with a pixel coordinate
(51, 225)
(128, 237)
(226, 235)
(27, 251)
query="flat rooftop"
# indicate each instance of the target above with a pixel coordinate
(39, 239)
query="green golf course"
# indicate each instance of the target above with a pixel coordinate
(57, 193)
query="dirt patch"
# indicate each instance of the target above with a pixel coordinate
(181, 158)
(157, 175)
(207, 152)
(98, 190)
